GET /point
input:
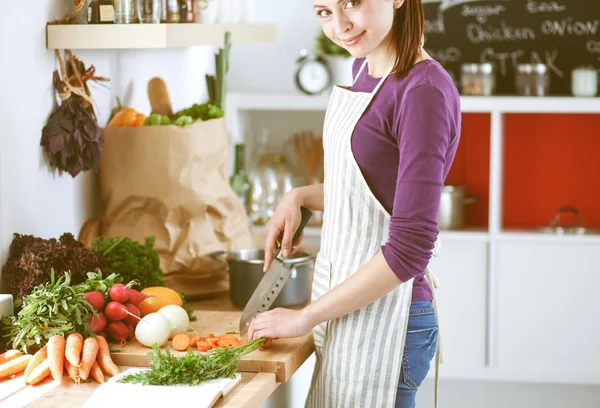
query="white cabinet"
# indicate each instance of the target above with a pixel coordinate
(547, 310)
(461, 269)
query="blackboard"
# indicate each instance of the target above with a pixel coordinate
(563, 34)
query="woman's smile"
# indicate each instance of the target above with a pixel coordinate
(352, 40)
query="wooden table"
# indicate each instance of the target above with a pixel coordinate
(254, 389)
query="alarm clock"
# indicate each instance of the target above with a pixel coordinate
(313, 76)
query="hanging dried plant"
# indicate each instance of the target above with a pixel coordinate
(72, 139)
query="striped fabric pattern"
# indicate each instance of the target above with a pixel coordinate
(358, 355)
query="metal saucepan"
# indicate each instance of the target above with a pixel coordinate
(557, 227)
(451, 215)
(246, 271)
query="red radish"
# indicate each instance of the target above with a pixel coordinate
(103, 334)
(131, 331)
(118, 331)
(96, 299)
(136, 297)
(97, 324)
(131, 308)
(115, 311)
(119, 293)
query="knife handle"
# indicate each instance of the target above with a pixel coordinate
(306, 214)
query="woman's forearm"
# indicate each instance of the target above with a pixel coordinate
(371, 282)
(311, 196)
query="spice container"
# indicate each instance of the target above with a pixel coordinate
(148, 11)
(123, 11)
(478, 79)
(532, 80)
(584, 81)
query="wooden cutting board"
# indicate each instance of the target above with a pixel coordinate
(283, 357)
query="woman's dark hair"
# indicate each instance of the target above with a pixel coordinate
(407, 34)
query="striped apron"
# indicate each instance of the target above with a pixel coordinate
(358, 356)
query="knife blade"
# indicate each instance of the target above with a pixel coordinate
(272, 282)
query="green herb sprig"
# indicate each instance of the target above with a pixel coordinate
(51, 308)
(193, 368)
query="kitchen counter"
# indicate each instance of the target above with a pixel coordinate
(254, 389)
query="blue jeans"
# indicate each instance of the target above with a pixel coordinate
(419, 350)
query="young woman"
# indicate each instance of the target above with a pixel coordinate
(389, 142)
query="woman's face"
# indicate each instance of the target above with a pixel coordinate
(359, 26)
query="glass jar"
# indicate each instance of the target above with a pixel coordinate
(123, 11)
(532, 80)
(584, 81)
(148, 11)
(478, 79)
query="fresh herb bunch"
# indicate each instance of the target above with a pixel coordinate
(202, 111)
(193, 368)
(327, 47)
(51, 308)
(131, 260)
(96, 282)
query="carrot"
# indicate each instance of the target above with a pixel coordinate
(88, 357)
(15, 366)
(195, 338)
(56, 356)
(213, 341)
(73, 348)
(181, 342)
(73, 372)
(226, 342)
(104, 360)
(9, 355)
(96, 373)
(35, 361)
(39, 373)
(203, 346)
(210, 335)
(268, 342)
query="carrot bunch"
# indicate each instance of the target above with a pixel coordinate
(78, 357)
(182, 342)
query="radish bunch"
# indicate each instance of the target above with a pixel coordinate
(117, 313)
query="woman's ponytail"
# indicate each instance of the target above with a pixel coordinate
(407, 35)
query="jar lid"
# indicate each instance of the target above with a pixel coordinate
(486, 68)
(541, 68)
(525, 68)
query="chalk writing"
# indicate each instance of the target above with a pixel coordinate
(476, 33)
(446, 4)
(544, 7)
(568, 26)
(482, 13)
(435, 26)
(510, 60)
(443, 56)
(593, 46)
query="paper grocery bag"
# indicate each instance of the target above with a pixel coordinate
(172, 182)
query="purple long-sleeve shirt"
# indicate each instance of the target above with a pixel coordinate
(404, 144)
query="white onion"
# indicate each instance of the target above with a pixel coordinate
(153, 328)
(178, 317)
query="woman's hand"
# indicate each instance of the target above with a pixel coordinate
(286, 220)
(279, 323)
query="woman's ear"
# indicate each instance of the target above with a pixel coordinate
(398, 4)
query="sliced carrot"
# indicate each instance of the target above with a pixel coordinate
(228, 342)
(35, 361)
(56, 356)
(88, 357)
(15, 366)
(73, 348)
(73, 372)
(39, 373)
(104, 360)
(96, 373)
(195, 338)
(9, 355)
(181, 342)
(210, 335)
(203, 346)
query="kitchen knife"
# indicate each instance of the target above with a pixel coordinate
(272, 282)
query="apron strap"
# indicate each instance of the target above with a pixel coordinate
(439, 358)
(381, 81)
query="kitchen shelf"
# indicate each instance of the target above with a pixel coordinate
(133, 36)
(469, 104)
(514, 235)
